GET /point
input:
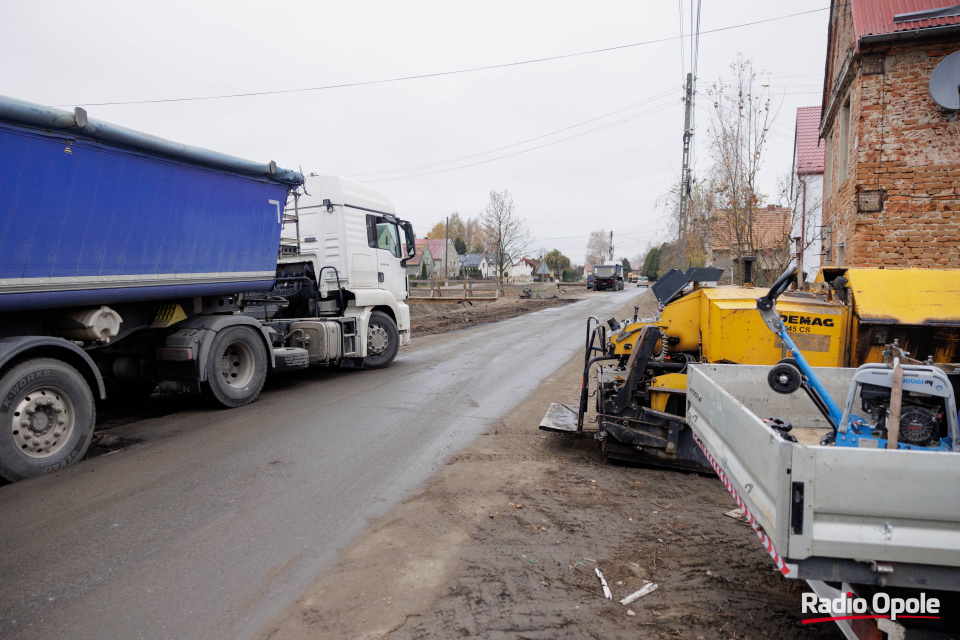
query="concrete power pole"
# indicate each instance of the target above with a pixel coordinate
(611, 246)
(685, 178)
(446, 248)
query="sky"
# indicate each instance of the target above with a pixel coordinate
(582, 142)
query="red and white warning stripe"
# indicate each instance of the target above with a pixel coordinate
(764, 538)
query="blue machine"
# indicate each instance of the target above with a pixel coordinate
(918, 423)
(93, 213)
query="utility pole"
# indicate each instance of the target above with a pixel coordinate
(611, 245)
(685, 178)
(446, 243)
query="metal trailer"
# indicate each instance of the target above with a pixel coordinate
(857, 519)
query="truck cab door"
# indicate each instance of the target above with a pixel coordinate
(383, 235)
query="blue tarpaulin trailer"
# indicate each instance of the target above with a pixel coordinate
(124, 259)
(93, 213)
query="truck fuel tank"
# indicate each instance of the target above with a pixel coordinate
(321, 339)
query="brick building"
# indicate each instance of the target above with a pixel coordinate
(765, 236)
(892, 167)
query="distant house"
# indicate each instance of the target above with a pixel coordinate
(422, 257)
(767, 238)
(636, 267)
(475, 261)
(587, 269)
(524, 270)
(446, 262)
(892, 169)
(492, 261)
(806, 187)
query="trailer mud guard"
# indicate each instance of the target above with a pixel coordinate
(210, 325)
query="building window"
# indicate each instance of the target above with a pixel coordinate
(844, 149)
(828, 173)
(841, 250)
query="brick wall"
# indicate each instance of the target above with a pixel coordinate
(902, 146)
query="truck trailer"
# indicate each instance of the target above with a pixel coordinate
(130, 263)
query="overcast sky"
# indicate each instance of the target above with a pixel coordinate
(401, 136)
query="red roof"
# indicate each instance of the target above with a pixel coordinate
(810, 149)
(438, 249)
(876, 17)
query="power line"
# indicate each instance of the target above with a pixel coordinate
(446, 73)
(546, 135)
(516, 153)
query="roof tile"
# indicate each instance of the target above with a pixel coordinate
(875, 17)
(810, 149)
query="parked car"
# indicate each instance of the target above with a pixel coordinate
(591, 280)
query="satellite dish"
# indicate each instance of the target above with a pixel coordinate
(945, 82)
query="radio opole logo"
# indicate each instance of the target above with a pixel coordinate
(848, 607)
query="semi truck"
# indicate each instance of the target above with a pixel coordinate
(130, 263)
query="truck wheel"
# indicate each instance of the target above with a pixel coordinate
(236, 367)
(47, 416)
(383, 341)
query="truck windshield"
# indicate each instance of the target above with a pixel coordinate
(603, 272)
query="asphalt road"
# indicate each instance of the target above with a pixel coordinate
(219, 519)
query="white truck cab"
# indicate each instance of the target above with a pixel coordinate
(346, 236)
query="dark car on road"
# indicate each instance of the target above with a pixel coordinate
(591, 280)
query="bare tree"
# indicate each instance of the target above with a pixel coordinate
(739, 125)
(701, 205)
(598, 246)
(505, 233)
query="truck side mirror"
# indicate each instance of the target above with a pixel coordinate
(411, 240)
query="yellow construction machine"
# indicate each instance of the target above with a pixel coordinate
(845, 321)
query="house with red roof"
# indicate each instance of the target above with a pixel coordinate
(892, 157)
(446, 262)
(422, 258)
(806, 188)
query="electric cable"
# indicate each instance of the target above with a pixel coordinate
(546, 135)
(443, 73)
(516, 153)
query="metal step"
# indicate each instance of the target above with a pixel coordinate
(290, 358)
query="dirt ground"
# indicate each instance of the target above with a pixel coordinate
(439, 317)
(503, 543)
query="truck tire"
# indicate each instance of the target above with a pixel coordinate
(47, 416)
(383, 341)
(236, 367)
